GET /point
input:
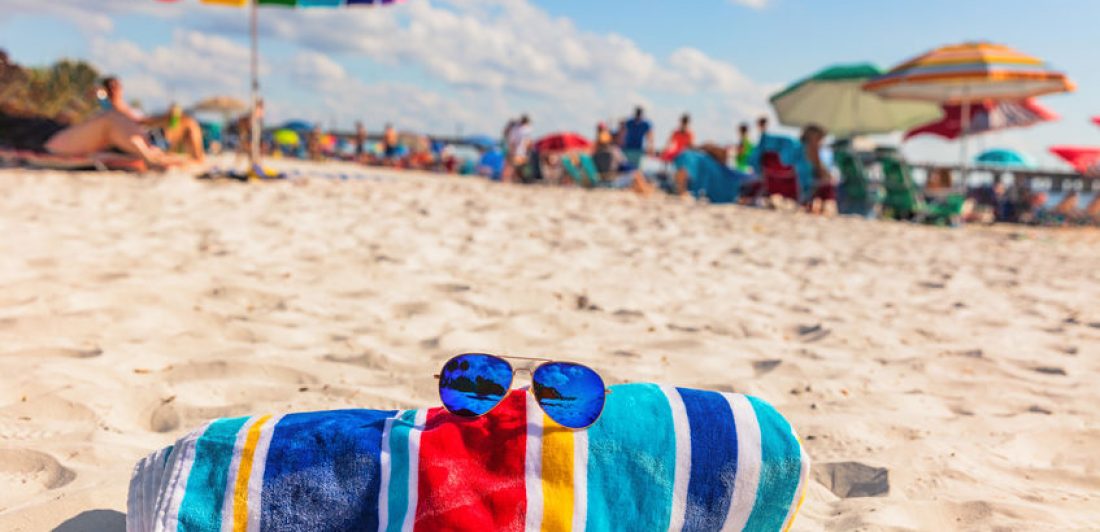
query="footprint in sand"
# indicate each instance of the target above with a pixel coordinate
(204, 390)
(54, 352)
(25, 473)
(28, 420)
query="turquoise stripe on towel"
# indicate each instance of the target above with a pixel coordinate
(201, 509)
(398, 492)
(780, 469)
(634, 498)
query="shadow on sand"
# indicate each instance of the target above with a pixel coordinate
(94, 521)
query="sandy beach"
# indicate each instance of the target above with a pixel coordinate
(964, 361)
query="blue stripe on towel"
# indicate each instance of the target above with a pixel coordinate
(201, 509)
(398, 493)
(639, 496)
(780, 469)
(322, 471)
(713, 459)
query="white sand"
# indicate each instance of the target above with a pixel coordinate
(133, 309)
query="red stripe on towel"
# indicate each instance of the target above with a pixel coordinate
(471, 473)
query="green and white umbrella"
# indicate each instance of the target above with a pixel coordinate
(834, 99)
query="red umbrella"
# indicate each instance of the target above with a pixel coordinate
(986, 116)
(1096, 120)
(559, 142)
(1083, 159)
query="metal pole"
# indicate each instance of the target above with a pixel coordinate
(254, 135)
(964, 163)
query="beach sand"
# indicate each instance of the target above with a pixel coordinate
(964, 362)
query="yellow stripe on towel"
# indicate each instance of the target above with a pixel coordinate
(240, 491)
(557, 477)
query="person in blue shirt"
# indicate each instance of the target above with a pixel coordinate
(636, 138)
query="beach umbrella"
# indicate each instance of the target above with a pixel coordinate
(253, 23)
(834, 99)
(1004, 157)
(986, 116)
(298, 125)
(225, 105)
(561, 142)
(482, 141)
(1085, 160)
(967, 73)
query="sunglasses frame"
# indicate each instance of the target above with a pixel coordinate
(530, 389)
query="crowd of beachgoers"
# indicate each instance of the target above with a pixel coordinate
(761, 168)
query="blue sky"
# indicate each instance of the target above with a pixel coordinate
(445, 65)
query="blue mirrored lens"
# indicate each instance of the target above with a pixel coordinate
(472, 384)
(571, 394)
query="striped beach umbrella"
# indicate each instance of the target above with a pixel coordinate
(970, 72)
(986, 116)
(967, 73)
(254, 151)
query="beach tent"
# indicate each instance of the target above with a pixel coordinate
(254, 150)
(967, 73)
(834, 98)
(986, 116)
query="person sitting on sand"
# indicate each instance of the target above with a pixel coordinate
(181, 132)
(1092, 212)
(106, 131)
(814, 178)
(1067, 208)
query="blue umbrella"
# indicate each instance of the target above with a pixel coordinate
(1005, 157)
(482, 141)
(298, 125)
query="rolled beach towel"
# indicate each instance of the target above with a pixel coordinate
(659, 458)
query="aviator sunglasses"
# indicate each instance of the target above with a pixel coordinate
(472, 384)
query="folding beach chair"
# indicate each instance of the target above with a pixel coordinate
(854, 195)
(902, 199)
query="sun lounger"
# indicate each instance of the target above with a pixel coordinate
(658, 458)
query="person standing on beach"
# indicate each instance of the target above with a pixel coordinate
(360, 140)
(519, 144)
(744, 149)
(389, 141)
(637, 137)
(762, 126)
(681, 139)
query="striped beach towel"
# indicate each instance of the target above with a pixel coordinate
(659, 458)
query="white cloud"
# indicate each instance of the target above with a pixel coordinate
(525, 59)
(477, 62)
(93, 16)
(755, 4)
(191, 66)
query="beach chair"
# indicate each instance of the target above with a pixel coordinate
(902, 199)
(590, 169)
(854, 195)
(947, 212)
(779, 179)
(581, 175)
